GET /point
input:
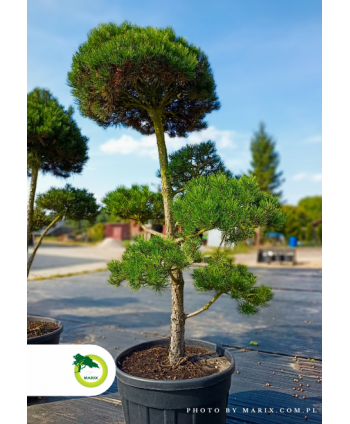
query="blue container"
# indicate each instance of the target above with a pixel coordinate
(293, 241)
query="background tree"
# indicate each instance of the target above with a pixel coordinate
(192, 161)
(96, 232)
(296, 219)
(309, 234)
(59, 203)
(319, 233)
(265, 161)
(313, 207)
(54, 142)
(155, 82)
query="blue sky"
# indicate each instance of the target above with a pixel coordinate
(266, 58)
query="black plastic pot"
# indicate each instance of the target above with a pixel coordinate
(50, 338)
(193, 401)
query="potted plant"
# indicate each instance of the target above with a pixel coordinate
(51, 207)
(55, 145)
(157, 83)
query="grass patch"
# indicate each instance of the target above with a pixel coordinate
(55, 240)
(70, 274)
(239, 248)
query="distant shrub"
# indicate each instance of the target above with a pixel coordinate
(96, 232)
(319, 233)
(309, 233)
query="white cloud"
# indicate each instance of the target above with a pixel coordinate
(316, 177)
(223, 139)
(300, 176)
(303, 175)
(127, 145)
(147, 146)
(314, 139)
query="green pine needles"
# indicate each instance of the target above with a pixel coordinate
(138, 203)
(223, 276)
(69, 202)
(234, 206)
(150, 263)
(54, 141)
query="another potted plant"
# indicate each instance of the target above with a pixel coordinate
(51, 207)
(155, 82)
(55, 145)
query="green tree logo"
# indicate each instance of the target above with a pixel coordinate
(90, 378)
(84, 361)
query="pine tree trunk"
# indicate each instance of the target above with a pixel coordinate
(177, 332)
(31, 259)
(258, 236)
(166, 185)
(30, 207)
(177, 328)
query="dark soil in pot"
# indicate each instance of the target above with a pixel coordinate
(39, 328)
(42, 330)
(153, 363)
(162, 400)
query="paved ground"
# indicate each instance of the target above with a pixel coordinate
(90, 299)
(55, 259)
(94, 312)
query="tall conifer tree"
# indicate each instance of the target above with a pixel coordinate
(265, 161)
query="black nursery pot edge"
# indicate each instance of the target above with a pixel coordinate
(50, 338)
(147, 401)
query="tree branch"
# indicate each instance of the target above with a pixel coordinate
(180, 239)
(135, 100)
(155, 233)
(168, 111)
(39, 242)
(30, 207)
(173, 278)
(205, 307)
(179, 190)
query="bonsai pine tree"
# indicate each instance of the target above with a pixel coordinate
(54, 143)
(58, 203)
(265, 161)
(156, 82)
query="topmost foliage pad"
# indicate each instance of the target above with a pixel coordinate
(123, 74)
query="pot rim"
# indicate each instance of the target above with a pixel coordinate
(44, 337)
(172, 385)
